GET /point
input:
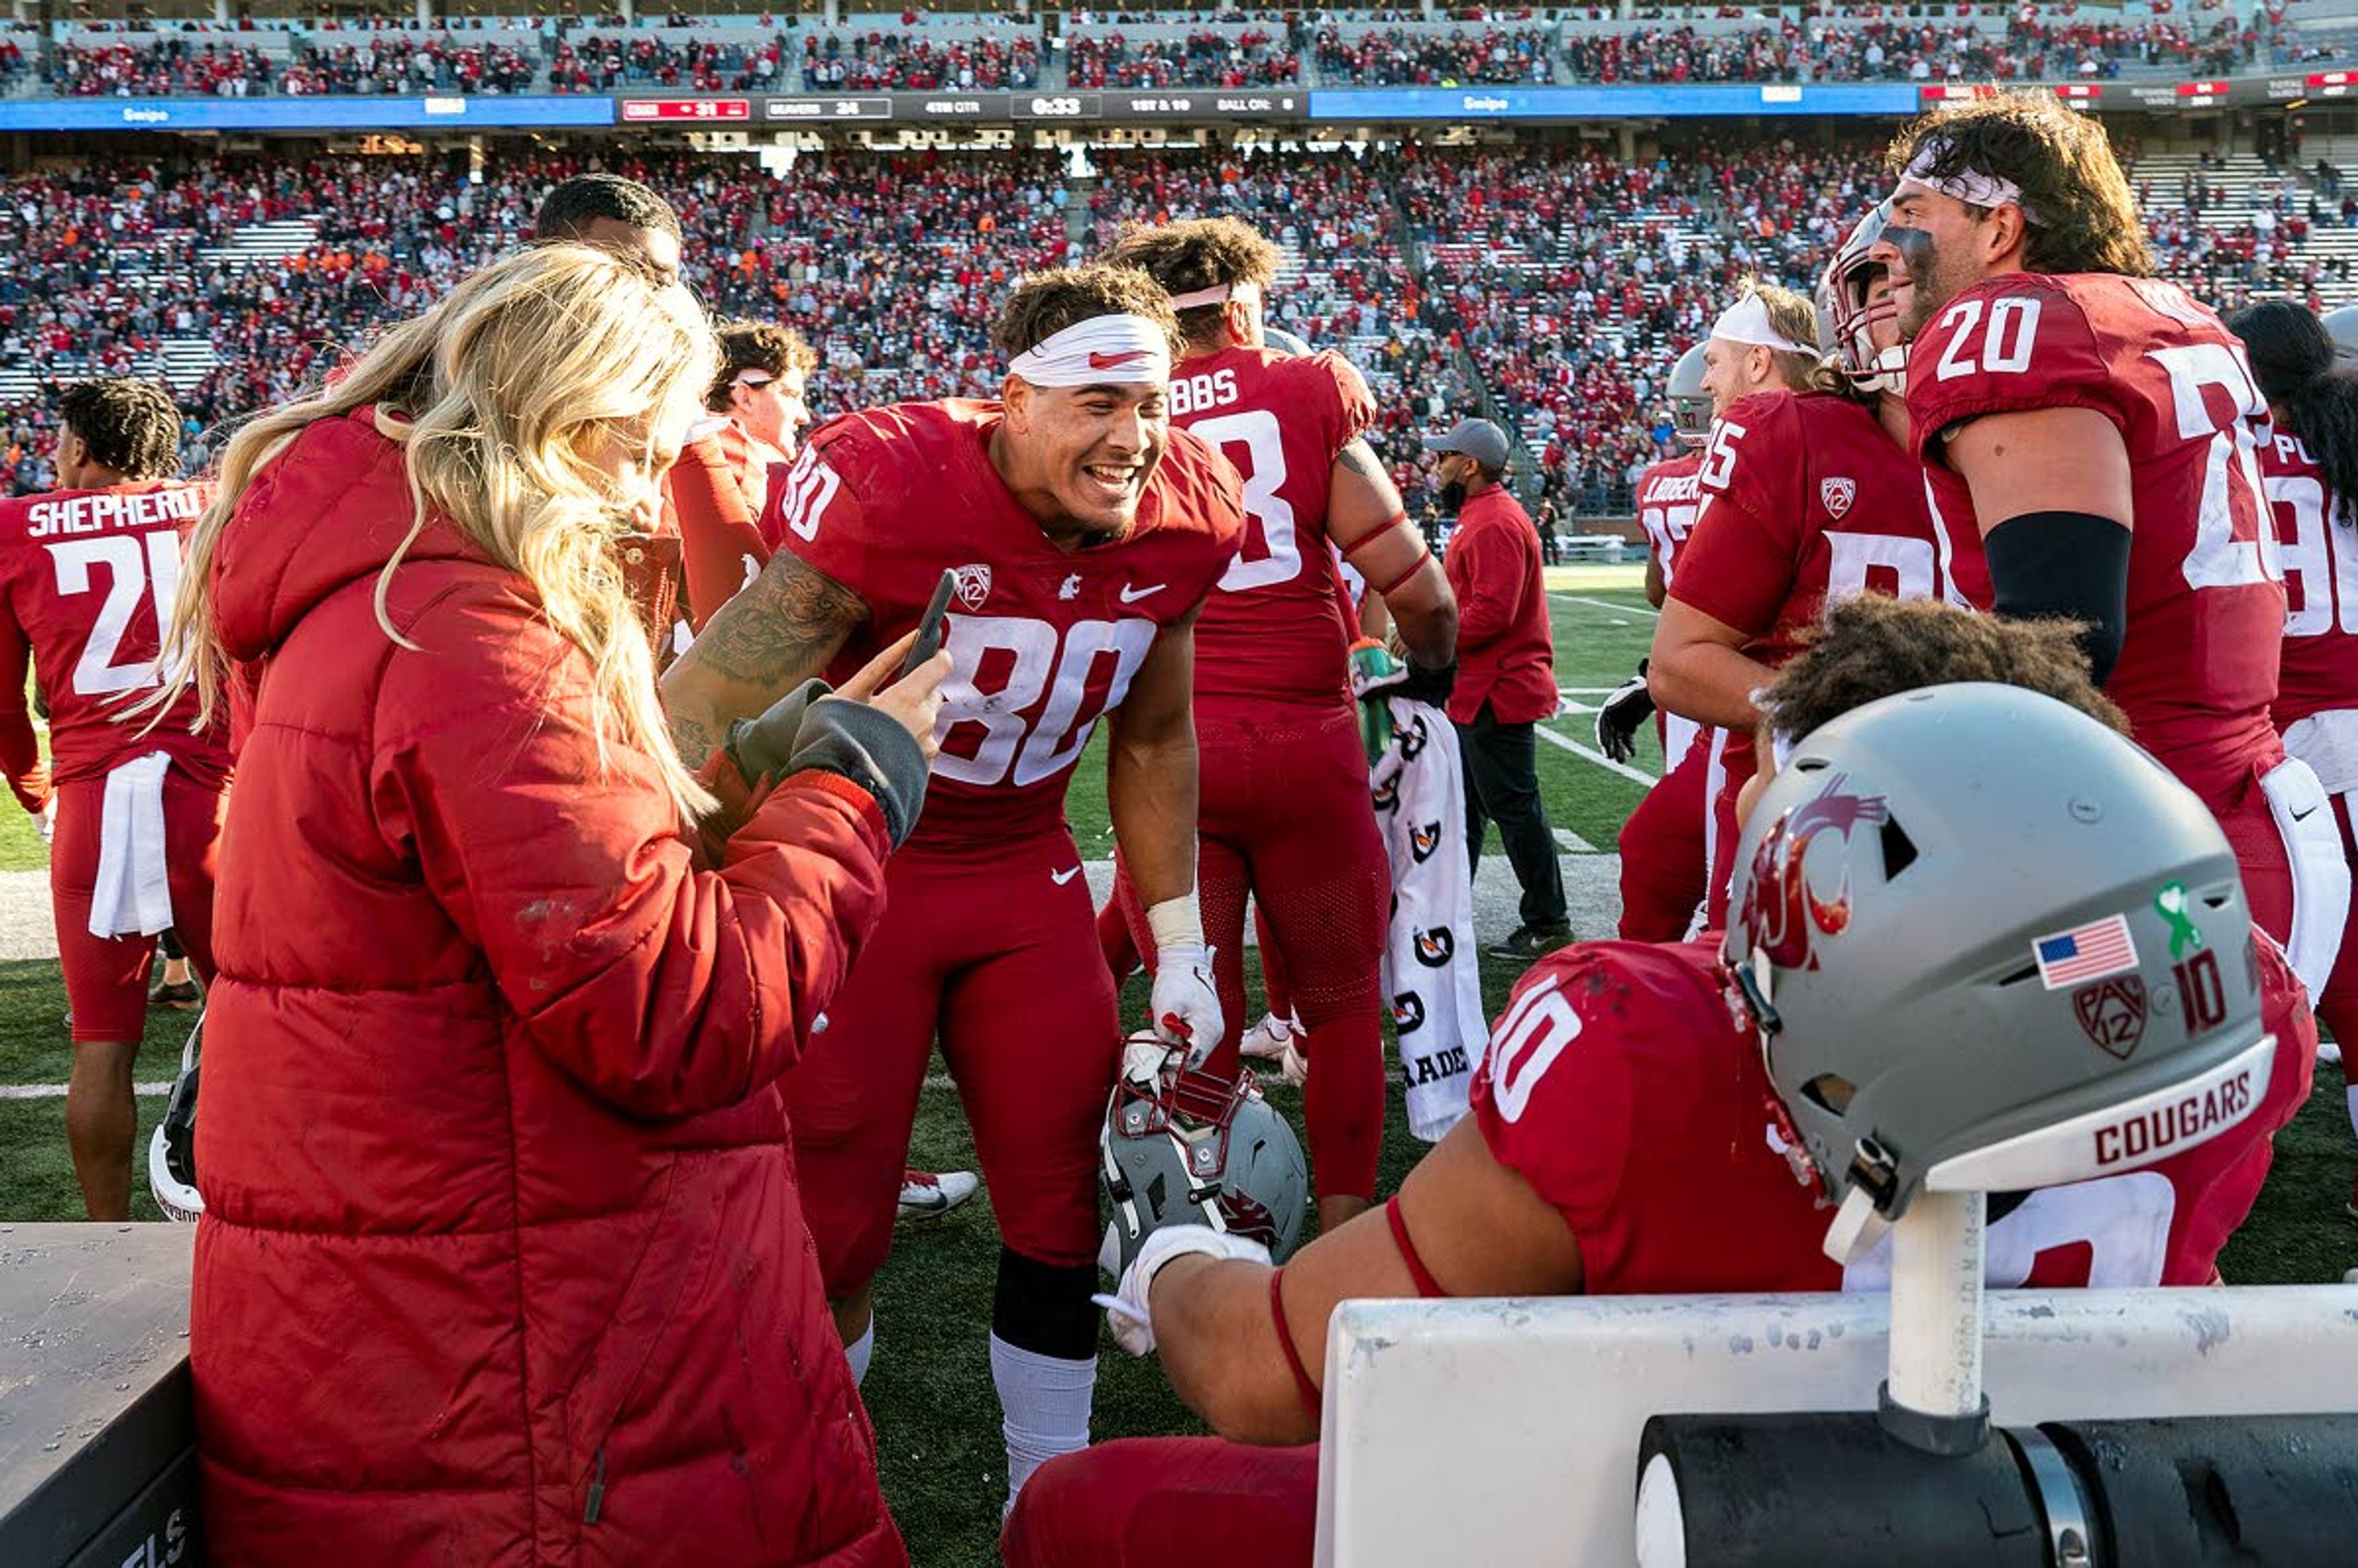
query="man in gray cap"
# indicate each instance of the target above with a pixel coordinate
(1505, 674)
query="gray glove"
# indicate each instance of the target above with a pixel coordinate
(811, 728)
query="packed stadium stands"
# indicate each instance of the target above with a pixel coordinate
(1547, 283)
(1816, 43)
(1550, 284)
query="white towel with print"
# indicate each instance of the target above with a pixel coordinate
(1431, 970)
(133, 894)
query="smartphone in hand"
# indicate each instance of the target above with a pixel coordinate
(930, 624)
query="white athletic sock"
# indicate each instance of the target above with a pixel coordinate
(1046, 1400)
(860, 1350)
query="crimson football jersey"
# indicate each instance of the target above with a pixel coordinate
(1669, 495)
(87, 580)
(1618, 1084)
(1805, 498)
(1274, 631)
(2320, 557)
(2206, 612)
(1042, 640)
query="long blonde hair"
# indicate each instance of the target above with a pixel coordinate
(502, 395)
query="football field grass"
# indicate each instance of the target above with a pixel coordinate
(929, 1389)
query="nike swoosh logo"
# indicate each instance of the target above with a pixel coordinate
(1061, 878)
(2304, 816)
(1106, 362)
(1133, 595)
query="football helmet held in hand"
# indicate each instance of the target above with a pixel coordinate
(172, 1149)
(1189, 1148)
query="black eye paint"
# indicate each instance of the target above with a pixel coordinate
(1914, 245)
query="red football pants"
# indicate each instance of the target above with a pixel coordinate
(1168, 1502)
(996, 952)
(106, 977)
(1284, 817)
(2337, 1007)
(1663, 852)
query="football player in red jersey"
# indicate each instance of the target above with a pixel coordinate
(86, 577)
(2308, 463)
(1637, 1128)
(1664, 851)
(1808, 497)
(2088, 433)
(1285, 813)
(1083, 534)
(763, 396)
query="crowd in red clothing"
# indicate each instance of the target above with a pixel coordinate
(396, 62)
(173, 68)
(1556, 282)
(877, 62)
(1394, 56)
(1254, 58)
(613, 62)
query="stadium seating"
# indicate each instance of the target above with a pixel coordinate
(1549, 285)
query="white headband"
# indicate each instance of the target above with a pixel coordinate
(1127, 349)
(1218, 294)
(1972, 186)
(1747, 322)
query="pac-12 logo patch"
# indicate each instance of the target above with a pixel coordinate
(1837, 494)
(2111, 1013)
(973, 586)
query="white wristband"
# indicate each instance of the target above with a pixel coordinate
(1176, 923)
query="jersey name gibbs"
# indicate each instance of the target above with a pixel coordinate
(1274, 630)
(1043, 641)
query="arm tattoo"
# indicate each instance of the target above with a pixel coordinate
(778, 631)
(1361, 459)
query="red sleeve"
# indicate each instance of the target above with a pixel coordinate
(664, 990)
(1485, 571)
(2006, 346)
(813, 510)
(1742, 554)
(20, 748)
(719, 548)
(1552, 1096)
(1357, 412)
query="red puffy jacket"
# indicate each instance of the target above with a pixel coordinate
(501, 1261)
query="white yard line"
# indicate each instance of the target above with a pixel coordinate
(1646, 611)
(1599, 758)
(1573, 843)
(58, 1091)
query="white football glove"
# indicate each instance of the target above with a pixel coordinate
(1143, 1057)
(48, 821)
(1126, 1309)
(1185, 1003)
(1620, 715)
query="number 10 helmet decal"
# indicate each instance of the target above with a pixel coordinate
(1975, 974)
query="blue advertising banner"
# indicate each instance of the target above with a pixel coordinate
(453, 113)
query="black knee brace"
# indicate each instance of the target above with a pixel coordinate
(1044, 1307)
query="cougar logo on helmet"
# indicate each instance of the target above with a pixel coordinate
(1781, 907)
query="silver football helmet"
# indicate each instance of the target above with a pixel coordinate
(1690, 403)
(172, 1148)
(1278, 338)
(2342, 326)
(1990, 946)
(1845, 319)
(1194, 1149)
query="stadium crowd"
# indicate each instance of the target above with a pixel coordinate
(1555, 281)
(1395, 58)
(1253, 58)
(877, 62)
(613, 62)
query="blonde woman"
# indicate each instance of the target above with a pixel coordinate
(502, 1261)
